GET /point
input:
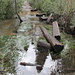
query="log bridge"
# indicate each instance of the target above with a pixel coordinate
(55, 44)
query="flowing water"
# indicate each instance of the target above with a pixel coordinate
(17, 47)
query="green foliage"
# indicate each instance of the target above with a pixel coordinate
(3, 40)
(7, 9)
(9, 51)
(73, 21)
(36, 3)
(55, 6)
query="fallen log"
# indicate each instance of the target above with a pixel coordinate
(32, 10)
(43, 18)
(56, 31)
(43, 44)
(27, 64)
(49, 18)
(56, 45)
(40, 14)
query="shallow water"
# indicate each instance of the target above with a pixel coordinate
(18, 47)
(8, 27)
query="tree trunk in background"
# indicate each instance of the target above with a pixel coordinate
(17, 12)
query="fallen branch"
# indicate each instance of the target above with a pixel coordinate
(30, 64)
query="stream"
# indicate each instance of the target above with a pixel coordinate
(17, 47)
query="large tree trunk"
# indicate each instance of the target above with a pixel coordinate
(56, 45)
(56, 32)
(17, 12)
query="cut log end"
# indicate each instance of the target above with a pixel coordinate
(58, 48)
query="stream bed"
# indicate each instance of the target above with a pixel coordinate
(16, 47)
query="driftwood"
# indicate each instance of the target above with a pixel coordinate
(56, 31)
(43, 44)
(49, 18)
(43, 18)
(40, 14)
(56, 45)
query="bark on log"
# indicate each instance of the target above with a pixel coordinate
(56, 45)
(43, 18)
(49, 18)
(56, 31)
(43, 44)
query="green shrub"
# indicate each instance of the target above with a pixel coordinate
(56, 6)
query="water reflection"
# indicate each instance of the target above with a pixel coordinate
(29, 57)
(39, 57)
